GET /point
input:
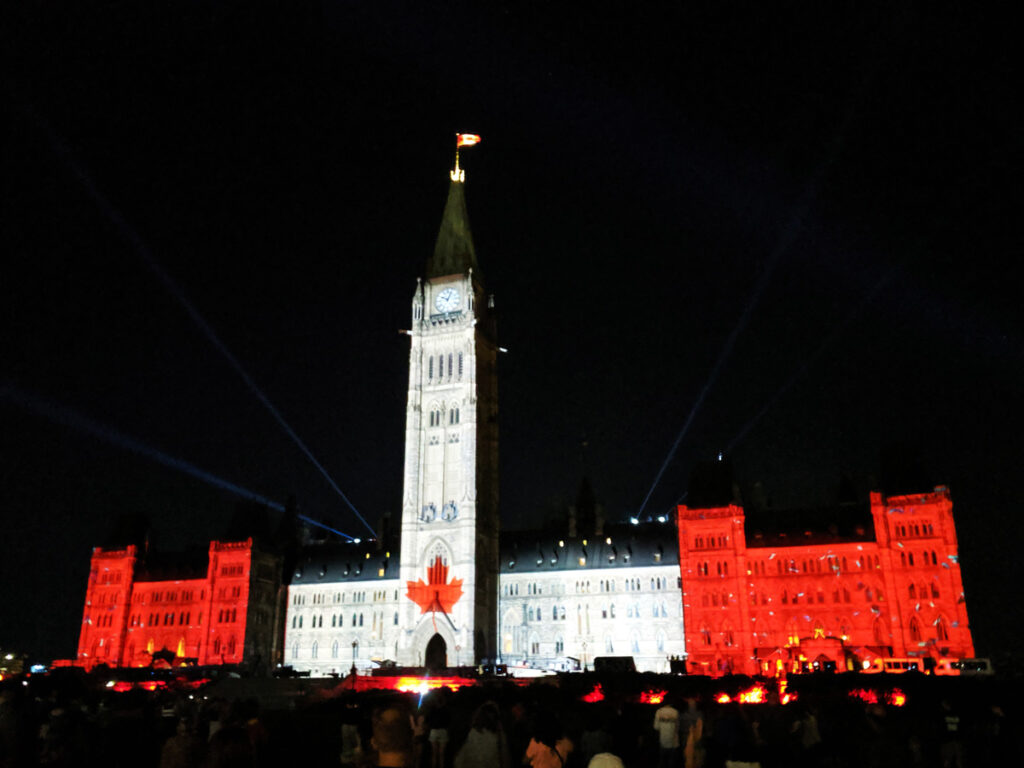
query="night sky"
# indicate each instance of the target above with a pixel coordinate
(796, 227)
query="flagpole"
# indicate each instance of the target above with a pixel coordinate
(457, 175)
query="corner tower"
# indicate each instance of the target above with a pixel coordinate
(449, 550)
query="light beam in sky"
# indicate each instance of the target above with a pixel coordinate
(175, 290)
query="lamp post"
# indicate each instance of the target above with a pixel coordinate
(355, 644)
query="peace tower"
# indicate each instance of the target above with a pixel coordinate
(449, 550)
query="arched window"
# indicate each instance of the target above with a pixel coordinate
(941, 630)
(460, 366)
(314, 650)
(912, 591)
(295, 649)
(879, 633)
(430, 368)
(450, 367)
(334, 649)
(705, 635)
(915, 629)
(792, 633)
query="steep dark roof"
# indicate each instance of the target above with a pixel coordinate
(172, 566)
(332, 562)
(813, 525)
(630, 547)
(454, 252)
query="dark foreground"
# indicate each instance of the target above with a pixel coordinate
(835, 721)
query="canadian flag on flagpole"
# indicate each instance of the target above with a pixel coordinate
(466, 140)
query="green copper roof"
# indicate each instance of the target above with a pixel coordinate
(454, 252)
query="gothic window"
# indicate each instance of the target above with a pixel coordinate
(910, 558)
(727, 636)
(705, 635)
(611, 610)
(360, 619)
(460, 366)
(295, 650)
(912, 591)
(334, 649)
(792, 634)
(559, 642)
(915, 629)
(561, 613)
(453, 415)
(395, 622)
(430, 369)
(935, 590)
(314, 650)
(661, 641)
(450, 369)
(941, 630)
(879, 633)
(664, 610)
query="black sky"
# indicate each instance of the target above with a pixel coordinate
(841, 178)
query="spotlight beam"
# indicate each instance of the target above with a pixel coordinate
(809, 361)
(147, 255)
(59, 414)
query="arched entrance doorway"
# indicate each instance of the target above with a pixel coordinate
(436, 656)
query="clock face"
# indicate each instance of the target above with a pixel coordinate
(448, 300)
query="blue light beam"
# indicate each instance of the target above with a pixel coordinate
(65, 416)
(143, 250)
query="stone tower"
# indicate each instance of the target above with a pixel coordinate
(449, 550)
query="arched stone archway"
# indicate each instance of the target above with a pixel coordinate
(436, 655)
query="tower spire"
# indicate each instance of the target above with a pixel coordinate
(454, 252)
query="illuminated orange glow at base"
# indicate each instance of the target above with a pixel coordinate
(424, 684)
(897, 697)
(757, 694)
(595, 695)
(784, 696)
(865, 695)
(723, 698)
(652, 697)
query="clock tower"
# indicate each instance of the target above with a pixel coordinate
(449, 550)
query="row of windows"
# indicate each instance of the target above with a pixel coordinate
(226, 593)
(232, 570)
(337, 620)
(711, 542)
(314, 650)
(109, 578)
(880, 633)
(914, 529)
(447, 368)
(914, 592)
(927, 557)
(299, 598)
(437, 416)
(824, 564)
(167, 620)
(721, 568)
(185, 596)
(533, 646)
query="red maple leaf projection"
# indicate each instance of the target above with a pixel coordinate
(438, 594)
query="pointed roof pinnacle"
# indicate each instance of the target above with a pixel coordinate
(454, 252)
